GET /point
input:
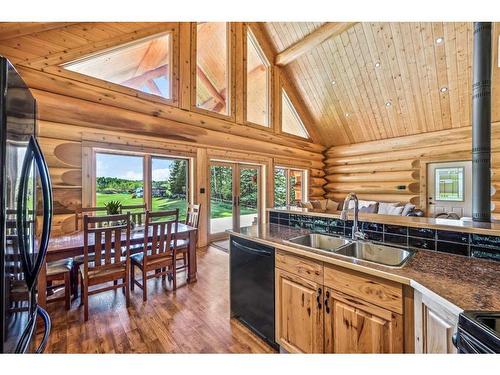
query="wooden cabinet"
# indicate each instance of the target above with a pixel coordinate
(323, 308)
(299, 313)
(435, 325)
(355, 326)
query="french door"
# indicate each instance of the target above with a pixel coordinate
(235, 191)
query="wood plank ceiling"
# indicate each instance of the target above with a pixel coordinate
(382, 80)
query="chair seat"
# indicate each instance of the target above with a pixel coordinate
(59, 266)
(139, 259)
(117, 269)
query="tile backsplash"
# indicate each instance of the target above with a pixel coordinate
(452, 242)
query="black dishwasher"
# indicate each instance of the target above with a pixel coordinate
(252, 286)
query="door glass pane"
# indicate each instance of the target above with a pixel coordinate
(212, 56)
(169, 185)
(449, 184)
(249, 194)
(296, 180)
(279, 187)
(119, 178)
(257, 83)
(221, 198)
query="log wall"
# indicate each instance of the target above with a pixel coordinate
(393, 170)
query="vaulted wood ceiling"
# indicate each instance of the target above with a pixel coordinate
(369, 81)
(382, 80)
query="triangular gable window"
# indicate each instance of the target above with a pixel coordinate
(290, 119)
(144, 65)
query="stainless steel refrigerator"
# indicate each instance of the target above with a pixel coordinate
(26, 213)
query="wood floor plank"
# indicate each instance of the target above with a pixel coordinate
(193, 319)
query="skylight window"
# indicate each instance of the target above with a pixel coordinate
(290, 120)
(144, 65)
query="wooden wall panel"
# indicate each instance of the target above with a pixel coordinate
(390, 170)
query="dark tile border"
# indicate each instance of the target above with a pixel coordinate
(452, 242)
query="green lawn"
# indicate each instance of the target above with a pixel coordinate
(218, 209)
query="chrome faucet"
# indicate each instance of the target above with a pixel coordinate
(356, 233)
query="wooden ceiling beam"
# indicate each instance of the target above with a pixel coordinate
(149, 75)
(9, 30)
(312, 40)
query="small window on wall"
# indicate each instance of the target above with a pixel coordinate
(290, 119)
(449, 184)
(119, 178)
(289, 186)
(257, 83)
(212, 67)
(145, 65)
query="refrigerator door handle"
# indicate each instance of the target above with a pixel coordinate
(47, 327)
(34, 153)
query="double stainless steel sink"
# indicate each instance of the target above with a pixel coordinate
(390, 256)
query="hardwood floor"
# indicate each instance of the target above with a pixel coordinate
(194, 319)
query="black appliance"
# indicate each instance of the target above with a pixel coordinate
(252, 286)
(478, 332)
(25, 205)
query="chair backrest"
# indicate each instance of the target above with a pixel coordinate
(160, 225)
(193, 215)
(81, 211)
(137, 212)
(108, 234)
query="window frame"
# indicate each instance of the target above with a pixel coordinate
(247, 32)
(287, 177)
(146, 170)
(171, 27)
(461, 184)
(231, 46)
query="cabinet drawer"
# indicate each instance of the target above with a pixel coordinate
(306, 268)
(384, 293)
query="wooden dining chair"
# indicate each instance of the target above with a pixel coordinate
(193, 220)
(107, 264)
(81, 211)
(137, 212)
(158, 255)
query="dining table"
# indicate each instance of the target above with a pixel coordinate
(71, 245)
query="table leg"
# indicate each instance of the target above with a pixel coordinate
(42, 286)
(192, 257)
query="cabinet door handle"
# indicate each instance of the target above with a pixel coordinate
(318, 298)
(327, 308)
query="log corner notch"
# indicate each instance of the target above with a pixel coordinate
(312, 40)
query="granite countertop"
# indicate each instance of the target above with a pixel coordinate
(465, 283)
(464, 226)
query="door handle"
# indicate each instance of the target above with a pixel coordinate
(327, 308)
(33, 152)
(318, 298)
(47, 327)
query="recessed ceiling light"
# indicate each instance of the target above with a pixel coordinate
(334, 82)
(388, 103)
(347, 115)
(439, 40)
(377, 64)
(443, 89)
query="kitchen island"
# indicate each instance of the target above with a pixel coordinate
(375, 308)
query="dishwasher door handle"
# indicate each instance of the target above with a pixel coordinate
(247, 249)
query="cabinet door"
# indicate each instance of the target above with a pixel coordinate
(434, 326)
(355, 326)
(299, 313)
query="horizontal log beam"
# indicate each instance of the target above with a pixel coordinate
(54, 107)
(9, 30)
(78, 90)
(311, 41)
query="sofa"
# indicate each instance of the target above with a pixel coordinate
(369, 207)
